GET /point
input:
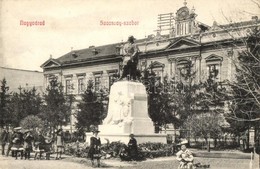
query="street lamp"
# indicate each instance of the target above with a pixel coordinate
(208, 144)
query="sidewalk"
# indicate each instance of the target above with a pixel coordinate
(116, 163)
(217, 160)
(221, 154)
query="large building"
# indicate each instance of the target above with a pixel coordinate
(22, 79)
(210, 49)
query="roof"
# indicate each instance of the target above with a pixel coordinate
(89, 53)
(8, 68)
(239, 24)
(148, 44)
(83, 55)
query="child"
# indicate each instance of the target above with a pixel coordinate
(28, 139)
(184, 156)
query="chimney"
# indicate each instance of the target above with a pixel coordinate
(74, 54)
(94, 51)
(255, 18)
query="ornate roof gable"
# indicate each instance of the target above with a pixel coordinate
(50, 63)
(213, 57)
(183, 43)
(156, 64)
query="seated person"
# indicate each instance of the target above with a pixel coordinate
(185, 157)
(123, 153)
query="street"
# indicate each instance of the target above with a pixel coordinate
(80, 163)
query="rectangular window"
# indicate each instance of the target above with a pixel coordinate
(185, 29)
(189, 27)
(184, 67)
(213, 71)
(97, 82)
(49, 78)
(181, 29)
(81, 86)
(178, 29)
(158, 73)
(68, 87)
(112, 79)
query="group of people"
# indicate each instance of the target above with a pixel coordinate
(23, 143)
(131, 152)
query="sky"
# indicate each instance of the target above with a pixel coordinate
(76, 24)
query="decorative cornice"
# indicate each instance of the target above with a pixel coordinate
(112, 71)
(80, 74)
(97, 72)
(68, 76)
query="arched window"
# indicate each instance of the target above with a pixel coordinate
(213, 63)
(157, 68)
(184, 67)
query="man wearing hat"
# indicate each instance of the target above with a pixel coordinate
(94, 149)
(4, 139)
(130, 60)
(17, 142)
(184, 156)
(10, 142)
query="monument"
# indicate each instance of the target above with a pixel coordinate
(128, 107)
(128, 113)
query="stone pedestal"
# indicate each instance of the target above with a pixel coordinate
(128, 113)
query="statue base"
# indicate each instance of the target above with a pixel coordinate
(128, 114)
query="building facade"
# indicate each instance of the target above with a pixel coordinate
(210, 49)
(22, 79)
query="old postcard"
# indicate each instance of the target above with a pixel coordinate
(129, 84)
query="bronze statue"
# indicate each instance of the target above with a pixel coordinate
(130, 59)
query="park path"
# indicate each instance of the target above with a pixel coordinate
(80, 163)
(11, 163)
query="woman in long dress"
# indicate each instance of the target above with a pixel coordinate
(94, 150)
(17, 142)
(132, 148)
(59, 144)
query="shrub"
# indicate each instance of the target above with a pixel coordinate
(112, 150)
(152, 150)
(32, 122)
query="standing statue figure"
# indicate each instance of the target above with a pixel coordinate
(130, 59)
